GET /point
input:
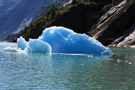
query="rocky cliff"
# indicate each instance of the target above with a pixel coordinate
(110, 22)
(79, 16)
(116, 26)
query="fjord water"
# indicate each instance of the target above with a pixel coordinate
(21, 71)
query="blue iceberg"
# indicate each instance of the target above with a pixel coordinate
(64, 40)
(32, 46)
(21, 43)
(61, 40)
(38, 46)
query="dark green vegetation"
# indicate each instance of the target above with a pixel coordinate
(79, 16)
(46, 7)
(105, 20)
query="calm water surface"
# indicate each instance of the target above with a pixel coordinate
(19, 71)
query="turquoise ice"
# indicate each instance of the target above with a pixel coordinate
(21, 43)
(61, 40)
(38, 46)
(64, 40)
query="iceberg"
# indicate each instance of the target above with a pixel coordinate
(61, 40)
(32, 46)
(57, 38)
(38, 46)
(64, 40)
(21, 43)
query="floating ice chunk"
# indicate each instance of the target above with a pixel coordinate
(64, 40)
(82, 43)
(22, 43)
(38, 46)
(33, 46)
(57, 38)
(55, 32)
(7, 44)
(10, 49)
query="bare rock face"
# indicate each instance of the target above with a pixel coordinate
(114, 27)
(129, 37)
(68, 3)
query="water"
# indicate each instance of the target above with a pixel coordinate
(21, 71)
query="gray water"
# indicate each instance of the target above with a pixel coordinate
(20, 71)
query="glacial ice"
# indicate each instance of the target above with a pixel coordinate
(33, 46)
(6, 45)
(64, 40)
(10, 49)
(38, 46)
(61, 40)
(21, 43)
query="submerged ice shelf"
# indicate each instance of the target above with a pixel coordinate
(7, 45)
(63, 40)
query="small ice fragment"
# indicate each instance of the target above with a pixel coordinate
(10, 49)
(38, 46)
(21, 43)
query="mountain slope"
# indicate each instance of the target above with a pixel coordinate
(110, 22)
(6, 5)
(17, 14)
(79, 16)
